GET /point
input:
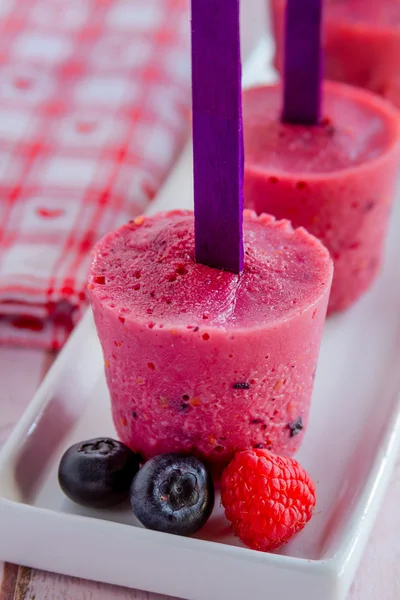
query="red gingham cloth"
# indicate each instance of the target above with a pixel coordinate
(94, 99)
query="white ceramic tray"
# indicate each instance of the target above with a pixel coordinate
(349, 449)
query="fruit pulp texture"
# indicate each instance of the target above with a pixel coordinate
(337, 179)
(361, 43)
(200, 360)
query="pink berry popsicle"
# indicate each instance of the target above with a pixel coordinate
(202, 360)
(361, 42)
(323, 156)
(336, 179)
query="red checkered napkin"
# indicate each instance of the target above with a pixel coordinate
(94, 98)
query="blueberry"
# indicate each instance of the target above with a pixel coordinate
(97, 473)
(173, 493)
(296, 427)
(241, 386)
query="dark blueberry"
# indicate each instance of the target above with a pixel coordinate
(195, 330)
(98, 473)
(296, 427)
(241, 386)
(173, 493)
(134, 414)
(256, 422)
(259, 446)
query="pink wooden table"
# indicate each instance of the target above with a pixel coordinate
(378, 577)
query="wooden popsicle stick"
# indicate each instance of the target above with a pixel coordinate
(303, 63)
(218, 155)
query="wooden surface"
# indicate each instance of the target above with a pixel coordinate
(37, 585)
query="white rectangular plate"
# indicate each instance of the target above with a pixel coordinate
(349, 450)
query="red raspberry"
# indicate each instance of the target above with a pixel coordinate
(267, 498)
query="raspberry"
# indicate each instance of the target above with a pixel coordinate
(267, 498)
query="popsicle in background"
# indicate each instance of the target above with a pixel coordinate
(333, 170)
(362, 43)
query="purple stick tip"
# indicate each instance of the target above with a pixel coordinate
(302, 78)
(218, 154)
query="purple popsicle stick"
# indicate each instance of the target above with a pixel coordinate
(302, 77)
(218, 154)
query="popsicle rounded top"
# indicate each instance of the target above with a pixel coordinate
(357, 128)
(147, 271)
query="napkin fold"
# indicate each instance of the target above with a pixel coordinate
(94, 99)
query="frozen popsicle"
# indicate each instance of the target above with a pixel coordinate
(362, 43)
(334, 174)
(202, 360)
(337, 179)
